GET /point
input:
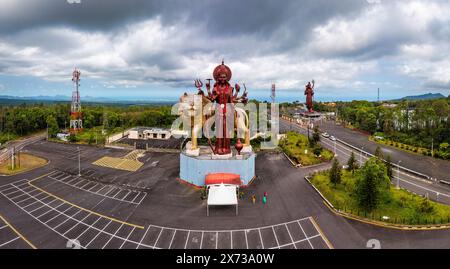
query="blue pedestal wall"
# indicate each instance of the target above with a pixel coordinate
(194, 170)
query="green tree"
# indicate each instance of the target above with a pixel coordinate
(53, 128)
(389, 171)
(379, 153)
(72, 138)
(317, 150)
(335, 172)
(352, 163)
(315, 137)
(372, 184)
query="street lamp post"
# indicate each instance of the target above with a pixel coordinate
(335, 154)
(79, 162)
(398, 174)
(360, 156)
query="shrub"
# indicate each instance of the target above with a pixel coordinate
(425, 206)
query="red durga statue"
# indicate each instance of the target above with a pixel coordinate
(222, 94)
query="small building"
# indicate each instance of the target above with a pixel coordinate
(149, 133)
(389, 105)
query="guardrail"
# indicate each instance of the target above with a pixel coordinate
(7, 154)
(393, 164)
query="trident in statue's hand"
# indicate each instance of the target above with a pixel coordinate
(198, 83)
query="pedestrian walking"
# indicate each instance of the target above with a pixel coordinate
(253, 199)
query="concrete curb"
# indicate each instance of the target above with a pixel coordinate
(374, 222)
(290, 160)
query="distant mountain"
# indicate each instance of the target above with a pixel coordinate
(15, 100)
(422, 97)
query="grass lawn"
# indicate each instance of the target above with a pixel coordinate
(400, 206)
(295, 145)
(27, 162)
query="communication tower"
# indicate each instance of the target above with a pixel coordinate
(76, 122)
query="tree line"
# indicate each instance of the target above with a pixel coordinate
(25, 119)
(418, 123)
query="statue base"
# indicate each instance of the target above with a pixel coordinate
(221, 157)
(194, 169)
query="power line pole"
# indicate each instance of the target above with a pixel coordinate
(79, 162)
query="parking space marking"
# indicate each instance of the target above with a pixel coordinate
(306, 236)
(313, 221)
(19, 235)
(260, 238)
(128, 237)
(290, 236)
(81, 183)
(187, 239)
(275, 235)
(171, 241)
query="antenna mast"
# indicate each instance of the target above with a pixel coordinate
(272, 95)
(76, 123)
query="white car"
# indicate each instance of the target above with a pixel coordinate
(325, 134)
(332, 138)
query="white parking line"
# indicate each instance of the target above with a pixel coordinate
(80, 222)
(305, 234)
(260, 238)
(187, 239)
(173, 236)
(276, 238)
(10, 241)
(156, 242)
(129, 234)
(201, 241)
(120, 227)
(217, 239)
(140, 242)
(290, 236)
(100, 231)
(246, 241)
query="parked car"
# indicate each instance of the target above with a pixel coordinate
(325, 134)
(332, 138)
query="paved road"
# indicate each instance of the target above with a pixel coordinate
(434, 190)
(18, 145)
(435, 168)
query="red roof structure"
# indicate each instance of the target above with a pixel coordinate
(225, 178)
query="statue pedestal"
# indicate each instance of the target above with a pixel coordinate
(221, 157)
(194, 169)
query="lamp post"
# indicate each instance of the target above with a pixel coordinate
(360, 156)
(79, 162)
(398, 174)
(335, 154)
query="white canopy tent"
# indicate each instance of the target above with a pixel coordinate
(222, 194)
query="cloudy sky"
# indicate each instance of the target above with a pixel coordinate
(155, 49)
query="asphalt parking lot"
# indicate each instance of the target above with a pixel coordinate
(84, 228)
(171, 143)
(52, 207)
(10, 238)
